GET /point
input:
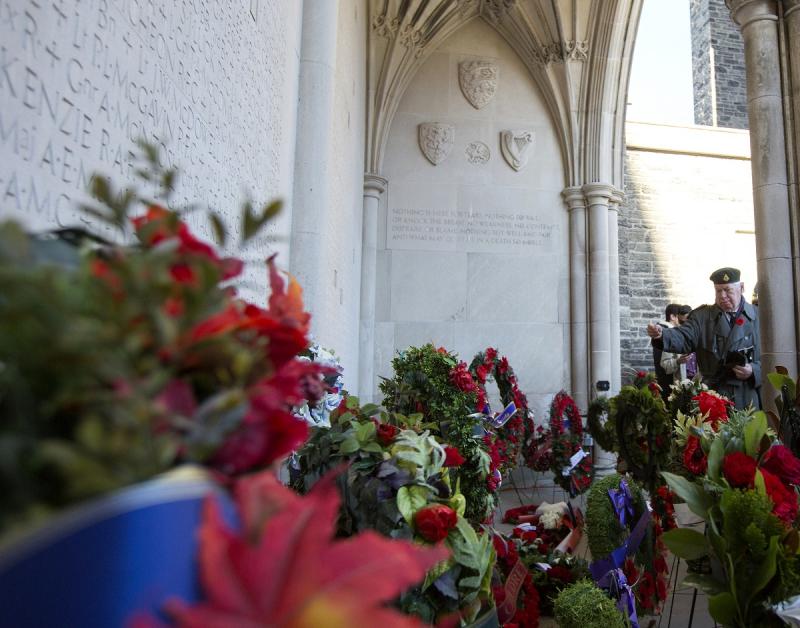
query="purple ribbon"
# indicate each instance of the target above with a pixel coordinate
(617, 584)
(607, 572)
(622, 501)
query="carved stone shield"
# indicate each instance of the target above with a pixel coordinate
(515, 146)
(478, 81)
(436, 140)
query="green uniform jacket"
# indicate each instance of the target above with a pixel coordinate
(706, 333)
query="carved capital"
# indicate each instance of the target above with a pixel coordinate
(746, 12)
(617, 198)
(576, 50)
(573, 197)
(374, 185)
(598, 193)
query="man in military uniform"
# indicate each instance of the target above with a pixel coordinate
(725, 338)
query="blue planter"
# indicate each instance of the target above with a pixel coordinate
(98, 564)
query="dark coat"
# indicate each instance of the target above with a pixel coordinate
(708, 333)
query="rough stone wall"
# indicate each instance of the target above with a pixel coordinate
(213, 83)
(713, 27)
(684, 215)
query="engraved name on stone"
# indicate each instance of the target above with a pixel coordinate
(470, 230)
(436, 140)
(80, 82)
(477, 153)
(478, 81)
(516, 147)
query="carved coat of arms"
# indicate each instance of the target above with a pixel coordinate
(436, 140)
(515, 146)
(478, 81)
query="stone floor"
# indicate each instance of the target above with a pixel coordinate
(683, 609)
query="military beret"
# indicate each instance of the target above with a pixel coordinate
(725, 275)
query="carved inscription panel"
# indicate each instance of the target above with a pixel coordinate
(473, 230)
(80, 80)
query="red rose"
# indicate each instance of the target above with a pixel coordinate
(693, 457)
(491, 355)
(461, 378)
(563, 574)
(386, 433)
(716, 408)
(783, 498)
(780, 460)
(739, 469)
(453, 457)
(433, 523)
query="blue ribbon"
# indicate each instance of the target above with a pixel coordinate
(617, 584)
(607, 572)
(622, 501)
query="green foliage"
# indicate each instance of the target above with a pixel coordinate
(637, 428)
(603, 530)
(422, 384)
(385, 486)
(91, 352)
(583, 605)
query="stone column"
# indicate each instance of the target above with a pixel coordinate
(579, 346)
(313, 149)
(758, 20)
(598, 196)
(791, 16)
(374, 186)
(613, 284)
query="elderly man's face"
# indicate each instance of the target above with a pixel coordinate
(728, 296)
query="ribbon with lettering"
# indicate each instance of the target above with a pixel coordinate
(514, 582)
(502, 418)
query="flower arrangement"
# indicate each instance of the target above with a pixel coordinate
(560, 447)
(748, 497)
(637, 428)
(124, 361)
(402, 484)
(319, 413)
(787, 403)
(515, 595)
(512, 435)
(625, 536)
(284, 567)
(434, 384)
(583, 604)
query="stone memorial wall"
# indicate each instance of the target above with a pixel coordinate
(474, 231)
(210, 83)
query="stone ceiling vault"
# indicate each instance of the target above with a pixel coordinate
(578, 53)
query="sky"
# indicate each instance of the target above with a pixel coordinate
(660, 87)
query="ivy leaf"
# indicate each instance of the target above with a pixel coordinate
(409, 500)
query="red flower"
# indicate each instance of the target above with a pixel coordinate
(386, 433)
(461, 378)
(502, 366)
(739, 469)
(740, 321)
(453, 457)
(780, 460)
(433, 523)
(783, 497)
(482, 372)
(716, 408)
(559, 572)
(491, 355)
(173, 307)
(693, 457)
(183, 273)
(285, 568)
